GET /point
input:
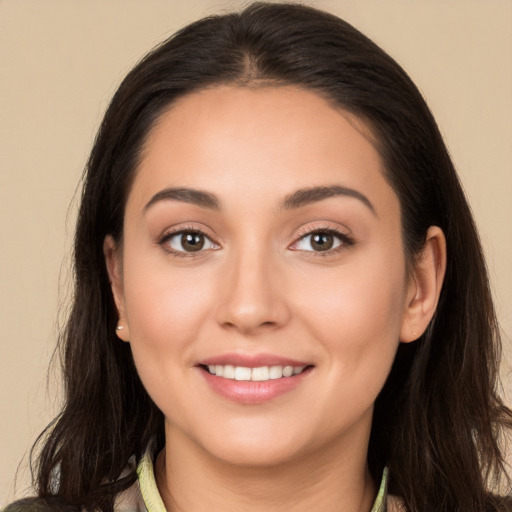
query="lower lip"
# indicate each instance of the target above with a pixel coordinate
(251, 392)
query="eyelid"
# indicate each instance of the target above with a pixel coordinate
(171, 232)
(343, 236)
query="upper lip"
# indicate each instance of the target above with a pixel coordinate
(252, 360)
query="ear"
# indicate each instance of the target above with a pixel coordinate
(113, 261)
(424, 286)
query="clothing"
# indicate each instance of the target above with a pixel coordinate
(143, 496)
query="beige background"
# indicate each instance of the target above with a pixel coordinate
(60, 61)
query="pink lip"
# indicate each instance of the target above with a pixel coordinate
(252, 393)
(252, 360)
(249, 392)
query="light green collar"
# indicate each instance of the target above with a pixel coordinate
(147, 483)
(154, 503)
(380, 501)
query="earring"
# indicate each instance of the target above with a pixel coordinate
(119, 327)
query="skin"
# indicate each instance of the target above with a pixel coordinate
(259, 286)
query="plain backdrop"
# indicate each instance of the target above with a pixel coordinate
(60, 62)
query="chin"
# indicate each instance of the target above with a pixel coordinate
(272, 454)
(271, 445)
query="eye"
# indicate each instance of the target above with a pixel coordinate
(188, 241)
(321, 241)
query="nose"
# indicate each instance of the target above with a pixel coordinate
(253, 296)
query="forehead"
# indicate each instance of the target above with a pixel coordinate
(240, 141)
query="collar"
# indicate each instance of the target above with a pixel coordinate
(153, 500)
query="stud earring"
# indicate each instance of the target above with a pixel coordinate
(119, 327)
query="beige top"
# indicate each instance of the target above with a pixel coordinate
(143, 496)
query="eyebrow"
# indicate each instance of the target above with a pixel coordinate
(185, 195)
(299, 198)
(310, 195)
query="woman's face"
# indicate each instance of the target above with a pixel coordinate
(261, 243)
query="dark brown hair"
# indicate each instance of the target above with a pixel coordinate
(438, 420)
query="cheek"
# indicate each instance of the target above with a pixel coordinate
(165, 311)
(367, 292)
(356, 313)
(165, 307)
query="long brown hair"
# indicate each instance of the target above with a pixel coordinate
(438, 420)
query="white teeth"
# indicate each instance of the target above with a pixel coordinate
(242, 373)
(276, 372)
(229, 372)
(287, 371)
(260, 374)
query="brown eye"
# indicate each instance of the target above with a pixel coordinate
(322, 241)
(189, 241)
(192, 242)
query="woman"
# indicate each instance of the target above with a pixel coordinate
(281, 299)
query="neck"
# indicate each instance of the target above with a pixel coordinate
(334, 479)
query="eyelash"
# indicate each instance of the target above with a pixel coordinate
(167, 237)
(345, 241)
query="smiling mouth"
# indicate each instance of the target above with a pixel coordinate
(258, 374)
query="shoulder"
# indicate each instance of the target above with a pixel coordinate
(38, 505)
(500, 504)
(28, 505)
(494, 504)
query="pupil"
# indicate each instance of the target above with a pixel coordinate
(322, 241)
(192, 241)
